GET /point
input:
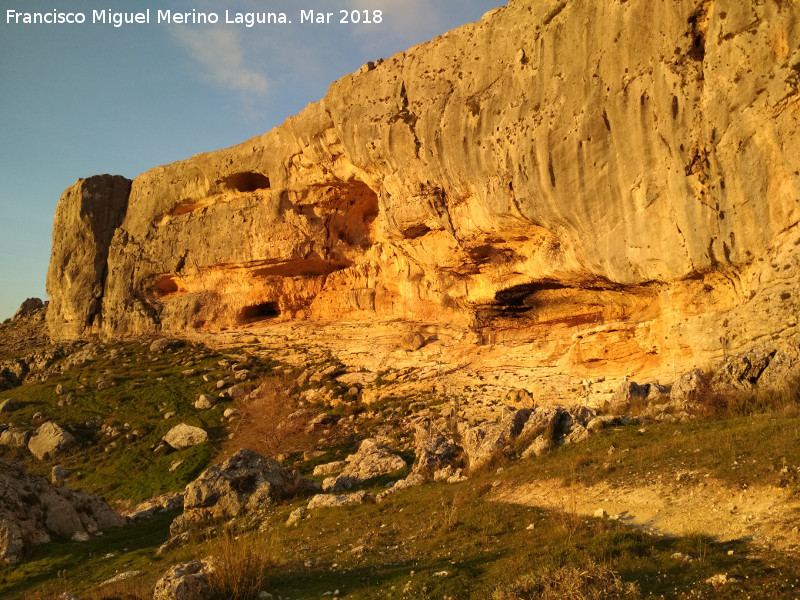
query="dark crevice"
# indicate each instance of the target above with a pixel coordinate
(245, 182)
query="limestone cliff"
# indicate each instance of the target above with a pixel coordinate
(87, 215)
(604, 182)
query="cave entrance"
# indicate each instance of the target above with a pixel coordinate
(259, 312)
(246, 182)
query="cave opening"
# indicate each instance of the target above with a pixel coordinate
(259, 312)
(246, 182)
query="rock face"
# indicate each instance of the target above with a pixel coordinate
(87, 215)
(613, 183)
(246, 481)
(32, 512)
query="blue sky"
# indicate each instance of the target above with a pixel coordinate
(80, 100)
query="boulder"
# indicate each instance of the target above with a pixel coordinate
(690, 389)
(28, 307)
(186, 581)
(163, 344)
(329, 500)
(32, 512)
(372, 460)
(15, 438)
(483, 441)
(412, 341)
(246, 481)
(168, 502)
(628, 394)
(49, 440)
(434, 453)
(330, 468)
(184, 436)
(205, 402)
(10, 405)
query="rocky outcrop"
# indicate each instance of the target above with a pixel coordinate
(28, 307)
(86, 217)
(370, 461)
(33, 512)
(246, 481)
(615, 197)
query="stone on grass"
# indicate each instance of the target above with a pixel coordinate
(184, 436)
(49, 440)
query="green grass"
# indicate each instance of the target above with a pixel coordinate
(143, 391)
(759, 449)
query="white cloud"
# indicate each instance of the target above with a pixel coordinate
(219, 52)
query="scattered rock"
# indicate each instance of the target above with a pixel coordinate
(121, 577)
(483, 441)
(330, 468)
(163, 344)
(720, 579)
(15, 438)
(184, 436)
(628, 394)
(372, 460)
(59, 475)
(328, 500)
(159, 504)
(50, 439)
(186, 581)
(690, 389)
(205, 402)
(412, 341)
(297, 516)
(434, 453)
(245, 481)
(32, 511)
(236, 391)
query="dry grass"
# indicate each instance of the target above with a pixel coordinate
(591, 582)
(265, 425)
(241, 566)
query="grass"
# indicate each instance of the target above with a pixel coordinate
(146, 386)
(759, 449)
(434, 541)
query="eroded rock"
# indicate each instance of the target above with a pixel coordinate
(246, 481)
(32, 512)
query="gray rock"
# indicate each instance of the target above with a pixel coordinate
(162, 345)
(246, 481)
(10, 405)
(236, 391)
(186, 581)
(372, 460)
(434, 453)
(160, 504)
(59, 475)
(330, 468)
(297, 516)
(482, 442)
(32, 511)
(205, 402)
(15, 438)
(690, 389)
(628, 394)
(50, 439)
(330, 500)
(184, 436)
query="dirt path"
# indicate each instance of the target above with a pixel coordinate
(768, 516)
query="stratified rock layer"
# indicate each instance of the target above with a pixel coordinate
(613, 185)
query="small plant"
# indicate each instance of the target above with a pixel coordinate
(591, 582)
(240, 567)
